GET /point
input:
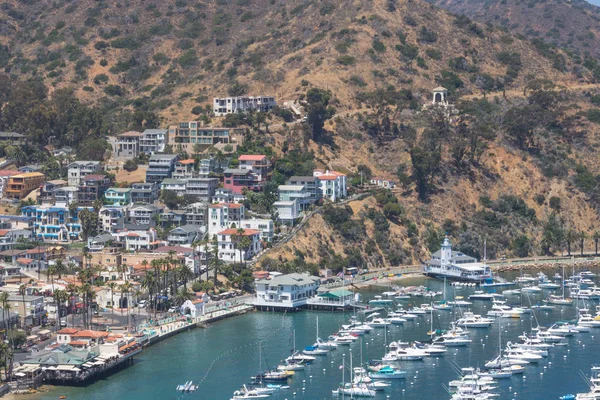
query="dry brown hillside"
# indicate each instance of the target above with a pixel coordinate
(174, 56)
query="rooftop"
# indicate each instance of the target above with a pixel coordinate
(130, 134)
(252, 157)
(295, 188)
(290, 279)
(11, 134)
(185, 162)
(233, 231)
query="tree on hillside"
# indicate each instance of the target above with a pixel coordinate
(553, 235)
(89, 223)
(318, 110)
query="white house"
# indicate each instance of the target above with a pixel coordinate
(78, 170)
(185, 235)
(193, 308)
(333, 184)
(287, 211)
(264, 226)
(224, 215)
(174, 185)
(229, 251)
(111, 218)
(285, 291)
(229, 105)
(138, 240)
(384, 183)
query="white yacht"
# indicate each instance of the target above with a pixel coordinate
(470, 320)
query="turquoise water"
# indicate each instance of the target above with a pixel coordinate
(226, 354)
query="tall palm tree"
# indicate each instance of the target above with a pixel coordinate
(582, 236)
(185, 274)
(138, 294)
(4, 303)
(596, 237)
(60, 268)
(127, 288)
(150, 283)
(182, 296)
(112, 286)
(245, 244)
(72, 289)
(197, 245)
(50, 272)
(60, 296)
(22, 290)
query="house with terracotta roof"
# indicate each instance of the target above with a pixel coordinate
(224, 215)
(184, 169)
(259, 164)
(333, 184)
(229, 248)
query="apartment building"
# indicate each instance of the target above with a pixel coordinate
(223, 216)
(5, 174)
(63, 196)
(46, 193)
(153, 141)
(229, 251)
(138, 240)
(239, 179)
(184, 169)
(201, 189)
(311, 184)
(92, 188)
(144, 192)
(258, 164)
(174, 185)
(19, 186)
(197, 214)
(230, 105)
(53, 223)
(111, 219)
(206, 167)
(160, 166)
(296, 193)
(78, 170)
(143, 214)
(128, 145)
(186, 135)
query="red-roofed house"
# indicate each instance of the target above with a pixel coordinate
(184, 169)
(230, 249)
(333, 184)
(259, 164)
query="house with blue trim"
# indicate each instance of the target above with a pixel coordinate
(54, 223)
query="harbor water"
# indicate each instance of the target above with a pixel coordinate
(225, 355)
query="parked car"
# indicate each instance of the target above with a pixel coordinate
(63, 323)
(142, 304)
(173, 309)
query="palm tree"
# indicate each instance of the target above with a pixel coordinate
(60, 268)
(596, 237)
(72, 289)
(570, 237)
(112, 286)
(245, 244)
(196, 245)
(50, 272)
(185, 274)
(60, 296)
(126, 288)
(582, 236)
(4, 303)
(236, 241)
(150, 283)
(138, 294)
(182, 296)
(22, 290)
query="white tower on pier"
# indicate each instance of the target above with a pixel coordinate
(446, 252)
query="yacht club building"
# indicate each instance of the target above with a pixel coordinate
(281, 292)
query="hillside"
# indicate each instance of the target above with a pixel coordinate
(172, 57)
(516, 166)
(574, 24)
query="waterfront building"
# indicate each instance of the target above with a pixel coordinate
(144, 192)
(224, 215)
(229, 251)
(19, 186)
(289, 291)
(264, 226)
(333, 184)
(229, 105)
(455, 265)
(193, 308)
(118, 196)
(160, 166)
(78, 170)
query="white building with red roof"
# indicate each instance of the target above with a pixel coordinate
(230, 240)
(333, 184)
(138, 239)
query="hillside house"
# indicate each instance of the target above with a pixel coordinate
(78, 170)
(229, 251)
